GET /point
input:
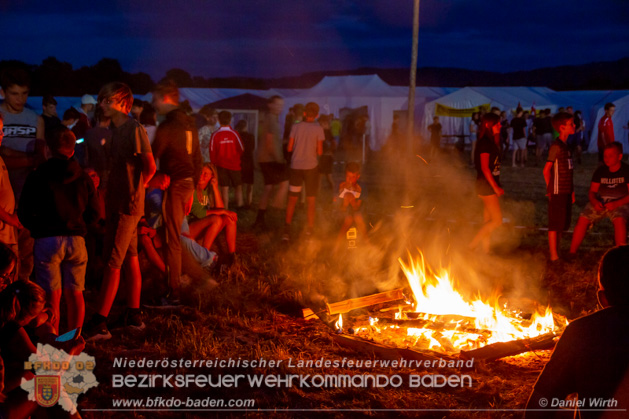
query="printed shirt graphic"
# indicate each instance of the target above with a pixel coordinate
(74, 380)
(226, 148)
(613, 184)
(20, 130)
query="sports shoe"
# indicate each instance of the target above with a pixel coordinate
(165, 302)
(131, 318)
(96, 330)
(286, 234)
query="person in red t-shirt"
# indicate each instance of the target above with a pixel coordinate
(225, 150)
(605, 129)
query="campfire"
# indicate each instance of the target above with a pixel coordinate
(437, 318)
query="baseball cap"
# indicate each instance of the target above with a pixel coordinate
(88, 100)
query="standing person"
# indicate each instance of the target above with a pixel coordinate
(132, 167)
(326, 161)
(435, 136)
(57, 204)
(558, 174)
(474, 123)
(9, 222)
(23, 149)
(306, 144)
(271, 159)
(97, 141)
(246, 160)
(176, 146)
(487, 162)
(86, 111)
(543, 131)
(605, 129)
(49, 113)
(226, 149)
(579, 124)
(148, 119)
(518, 124)
(209, 117)
(505, 129)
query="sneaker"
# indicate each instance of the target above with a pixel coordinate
(131, 318)
(286, 234)
(93, 331)
(166, 302)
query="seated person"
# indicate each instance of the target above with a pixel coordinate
(8, 263)
(592, 356)
(350, 201)
(23, 322)
(208, 216)
(197, 260)
(609, 197)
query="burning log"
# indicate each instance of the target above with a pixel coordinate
(502, 349)
(370, 300)
(385, 352)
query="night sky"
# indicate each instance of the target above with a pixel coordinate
(275, 38)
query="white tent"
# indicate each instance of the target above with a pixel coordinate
(620, 120)
(336, 92)
(505, 98)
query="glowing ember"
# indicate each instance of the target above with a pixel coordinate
(447, 322)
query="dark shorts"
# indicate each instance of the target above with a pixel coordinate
(483, 188)
(325, 164)
(559, 212)
(121, 238)
(246, 172)
(273, 173)
(298, 177)
(228, 177)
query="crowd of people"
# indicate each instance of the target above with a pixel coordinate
(609, 191)
(106, 194)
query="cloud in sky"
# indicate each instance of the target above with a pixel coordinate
(270, 38)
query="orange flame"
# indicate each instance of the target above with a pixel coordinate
(472, 324)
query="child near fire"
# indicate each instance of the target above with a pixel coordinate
(559, 185)
(349, 202)
(608, 196)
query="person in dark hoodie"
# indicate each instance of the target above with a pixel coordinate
(176, 145)
(57, 203)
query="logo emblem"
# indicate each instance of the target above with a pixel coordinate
(47, 389)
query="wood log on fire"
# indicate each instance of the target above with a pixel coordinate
(447, 322)
(386, 352)
(369, 300)
(502, 349)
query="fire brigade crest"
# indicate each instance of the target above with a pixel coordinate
(59, 378)
(47, 389)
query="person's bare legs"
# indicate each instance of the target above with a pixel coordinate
(225, 194)
(75, 304)
(238, 194)
(492, 216)
(361, 226)
(279, 200)
(248, 194)
(266, 195)
(230, 233)
(133, 277)
(108, 290)
(54, 301)
(554, 238)
(620, 231)
(580, 230)
(208, 228)
(290, 207)
(311, 211)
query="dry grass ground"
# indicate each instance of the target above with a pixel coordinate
(255, 313)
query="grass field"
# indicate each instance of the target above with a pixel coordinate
(256, 311)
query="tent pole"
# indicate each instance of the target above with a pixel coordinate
(410, 122)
